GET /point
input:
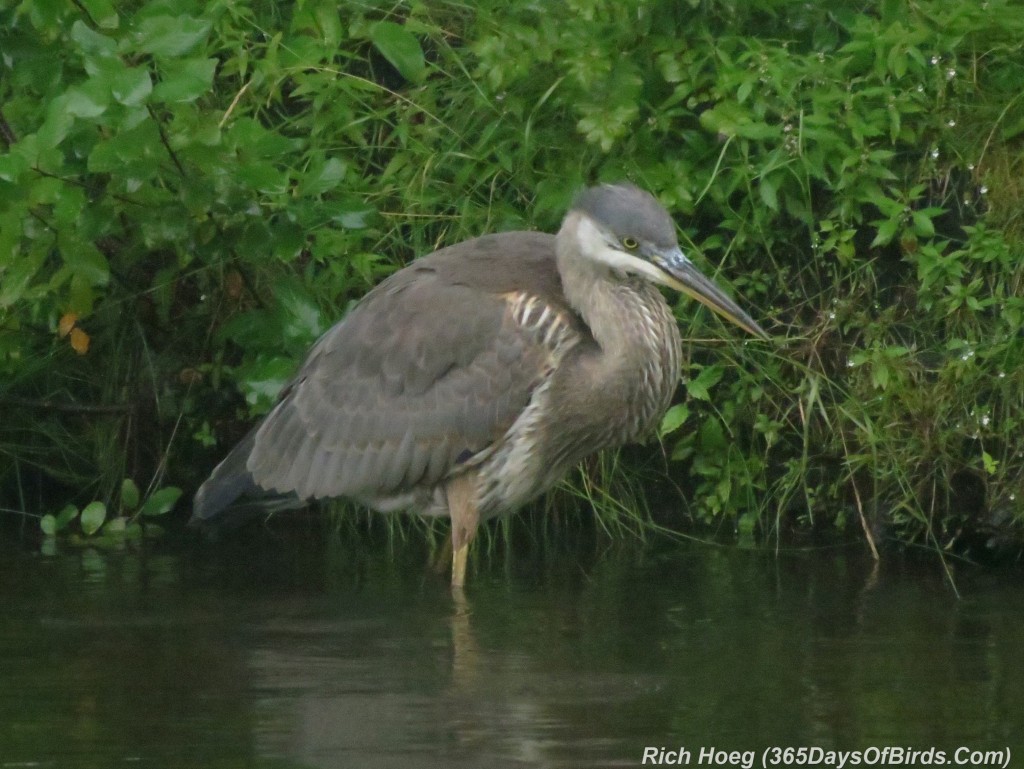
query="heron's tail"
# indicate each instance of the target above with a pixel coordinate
(231, 494)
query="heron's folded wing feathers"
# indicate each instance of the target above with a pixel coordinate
(426, 372)
(415, 379)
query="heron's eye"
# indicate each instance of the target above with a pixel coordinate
(630, 244)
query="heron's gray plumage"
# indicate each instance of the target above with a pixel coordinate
(424, 374)
(419, 375)
(483, 372)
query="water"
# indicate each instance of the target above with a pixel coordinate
(290, 648)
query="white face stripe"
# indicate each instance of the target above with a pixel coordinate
(594, 244)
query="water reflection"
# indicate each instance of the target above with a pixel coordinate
(294, 650)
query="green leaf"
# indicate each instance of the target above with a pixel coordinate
(699, 387)
(169, 36)
(136, 152)
(744, 90)
(880, 376)
(263, 379)
(886, 231)
(86, 261)
(303, 319)
(264, 177)
(97, 47)
(769, 196)
(162, 501)
(81, 296)
(131, 86)
(673, 419)
(684, 449)
(129, 494)
(116, 525)
(401, 48)
(85, 103)
(895, 123)
(12, 166)
(1013, 129)
(15, 279)
(67, 514)
(51, 524)
(712, 440)
(352, 216)
(102, 12)
(731, 119)
(184, 80)
(923, 225)
(325, 176)
(991, 464)
(92, 517)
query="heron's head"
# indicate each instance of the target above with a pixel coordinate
(629, 231)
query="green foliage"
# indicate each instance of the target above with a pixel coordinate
(191, 192)
(160, 502)
(97, 527)
(401, 48)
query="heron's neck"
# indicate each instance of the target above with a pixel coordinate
(630, 321)
(625, 315)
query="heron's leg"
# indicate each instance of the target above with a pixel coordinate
(461, 491)
(459, 560)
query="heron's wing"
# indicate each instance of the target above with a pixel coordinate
(432, 367)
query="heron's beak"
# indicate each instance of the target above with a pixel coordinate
(681, 274)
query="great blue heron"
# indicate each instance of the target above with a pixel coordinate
(469, 382)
